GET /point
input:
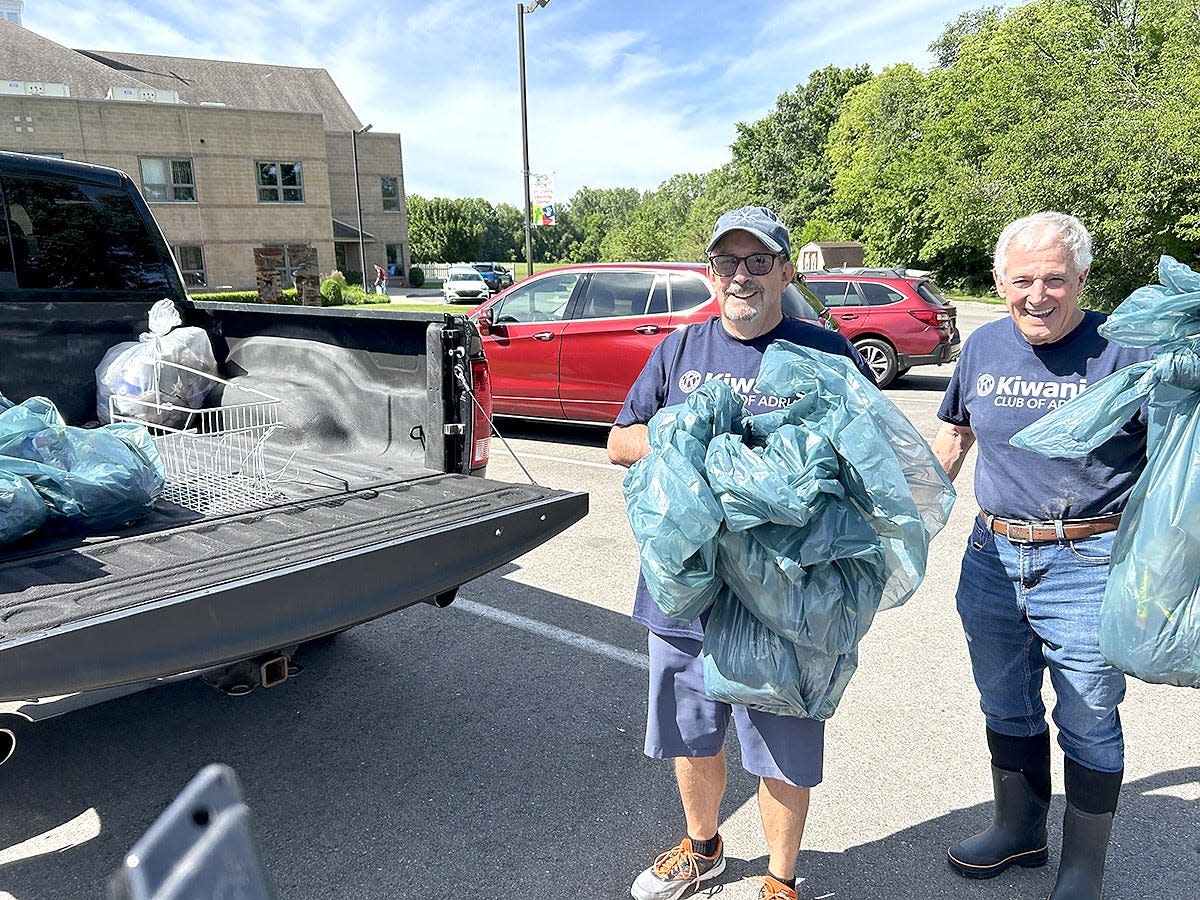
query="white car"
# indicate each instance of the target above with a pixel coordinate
(464, 283)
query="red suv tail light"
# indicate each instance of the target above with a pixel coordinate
(481, 413)
(930, 316)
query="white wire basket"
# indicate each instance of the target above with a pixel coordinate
(214, 458)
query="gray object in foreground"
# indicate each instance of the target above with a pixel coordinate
(201, 846)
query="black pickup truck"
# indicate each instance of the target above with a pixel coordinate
(383, 440)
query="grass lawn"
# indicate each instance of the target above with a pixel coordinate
(975, 298)
(418, 306)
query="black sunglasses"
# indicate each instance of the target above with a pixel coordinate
(725, 264)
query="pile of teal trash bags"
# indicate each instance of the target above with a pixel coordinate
(1150, 615)
(792, 528)
(74, 479)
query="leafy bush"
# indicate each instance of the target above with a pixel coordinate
(354, 295)
(331, 291)
(416, 276)
(287, 296)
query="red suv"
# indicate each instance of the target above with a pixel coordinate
(897, 318)
(568, 343)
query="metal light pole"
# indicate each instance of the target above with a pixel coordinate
(362, 253)
(522, 11)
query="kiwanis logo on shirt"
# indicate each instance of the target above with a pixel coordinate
(743, 387)
(1025, 393)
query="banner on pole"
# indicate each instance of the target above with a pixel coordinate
(542, 194)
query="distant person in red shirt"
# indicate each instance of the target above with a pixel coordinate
(380, 279)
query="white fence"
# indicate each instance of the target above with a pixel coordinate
(440, 270)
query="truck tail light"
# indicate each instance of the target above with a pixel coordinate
(481, 413)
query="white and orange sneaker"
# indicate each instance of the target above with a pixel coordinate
(679, 871)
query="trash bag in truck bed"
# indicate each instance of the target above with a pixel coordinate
(85, 478)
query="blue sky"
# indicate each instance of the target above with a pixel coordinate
(620, 93)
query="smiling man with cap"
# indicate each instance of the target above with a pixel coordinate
(749, 260)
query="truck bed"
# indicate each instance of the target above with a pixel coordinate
(180, 590)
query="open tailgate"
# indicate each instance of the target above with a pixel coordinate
(124, 609)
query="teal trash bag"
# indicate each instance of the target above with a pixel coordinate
(1150, 615)
(813, 518)
(87, 478)
(753, 666)
(672, 511)
(889, 469)
(813, 593)
(22, 510)
(786, 481)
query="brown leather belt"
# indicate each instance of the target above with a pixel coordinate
(1039, 532)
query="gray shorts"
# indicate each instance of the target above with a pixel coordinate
(684, 721)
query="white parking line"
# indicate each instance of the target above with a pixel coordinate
(620, 654)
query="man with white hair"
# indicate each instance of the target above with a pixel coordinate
(1037, 560)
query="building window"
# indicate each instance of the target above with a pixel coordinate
(280, 182)
(168, 180)
(191, 264)
(339, 256)
(390, 187)
(395, 259)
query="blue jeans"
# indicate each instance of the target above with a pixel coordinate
(1029, 607)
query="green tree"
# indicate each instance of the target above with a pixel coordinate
(655, 229)
(1086, 106)
(879, 187)
(597, 211)
(443, 230)
(781, 159)
(945, 49)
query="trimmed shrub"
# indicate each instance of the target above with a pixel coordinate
(287, 296)
(331, 291)
(354, 295)
(416, 276)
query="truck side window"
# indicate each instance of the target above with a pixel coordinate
(67, 235)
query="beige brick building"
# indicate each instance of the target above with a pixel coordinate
(231, 156)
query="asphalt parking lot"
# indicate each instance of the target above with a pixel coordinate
(493, 749)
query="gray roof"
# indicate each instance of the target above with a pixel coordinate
(343, 231)
(90, 73)
(237, 84)
(25, 56)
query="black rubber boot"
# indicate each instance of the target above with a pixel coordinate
(1017, 836)
(1087, 826)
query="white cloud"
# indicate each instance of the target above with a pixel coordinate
(622, 93)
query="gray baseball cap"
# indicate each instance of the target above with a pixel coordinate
(758, 221)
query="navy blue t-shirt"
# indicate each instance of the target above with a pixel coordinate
(1003, 383)
(672, 373)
